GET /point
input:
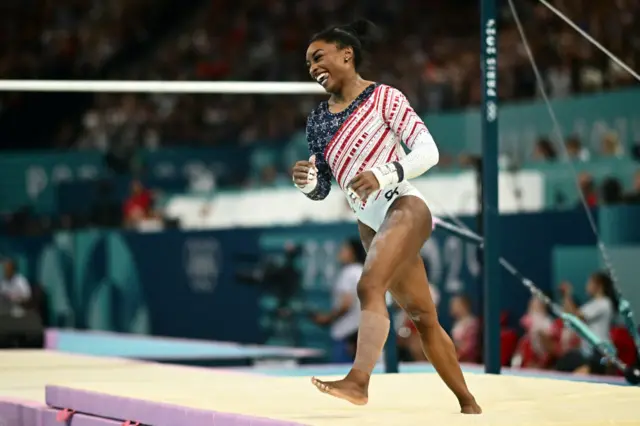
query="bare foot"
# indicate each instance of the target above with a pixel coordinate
(344, 389)
(470, 407)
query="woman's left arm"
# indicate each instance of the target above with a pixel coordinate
(409, 127)
(406, 124)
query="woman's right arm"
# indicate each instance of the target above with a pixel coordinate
(319, 186)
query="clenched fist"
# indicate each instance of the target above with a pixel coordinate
(305, 172)
(364, 185)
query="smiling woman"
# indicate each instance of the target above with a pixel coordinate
(325, 56)
(356, 137)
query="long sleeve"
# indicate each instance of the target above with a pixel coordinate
(409, 127)
(323, 187)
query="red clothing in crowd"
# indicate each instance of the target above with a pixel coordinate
(465, 338)
(138, 202)
(592, 199)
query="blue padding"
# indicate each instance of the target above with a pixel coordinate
(146, 347)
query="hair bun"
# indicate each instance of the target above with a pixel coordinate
(366, 31)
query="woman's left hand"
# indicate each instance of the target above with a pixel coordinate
(364, 185)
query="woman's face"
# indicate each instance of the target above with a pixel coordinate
(457, 307)
(328, 65)
(345, 255)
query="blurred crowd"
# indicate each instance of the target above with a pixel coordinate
(430, 51)
(538, 339)
(607, 191)
(42, 36)
(66, 38)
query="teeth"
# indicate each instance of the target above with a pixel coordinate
(322, 78)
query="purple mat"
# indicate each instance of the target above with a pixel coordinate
(147, 412)
(10, 413)
(27, 413)
(48, 417)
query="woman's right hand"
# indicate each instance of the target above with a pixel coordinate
(304, 170)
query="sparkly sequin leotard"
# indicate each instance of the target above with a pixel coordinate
(366, 134)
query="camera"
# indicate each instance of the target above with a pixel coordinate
(275, 272)
(277, 275)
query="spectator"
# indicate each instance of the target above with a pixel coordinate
(14, 288)
(559, 79)
(611, 191)
(611, 146)
(138, 206)
(535, 346)
(544, 150)
(588, 188)
(344, 317)
(466, 328)
(563, 340)
(598, 314)
(575, 150)
(20, 313)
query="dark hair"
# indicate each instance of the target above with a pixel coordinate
(612, 192)
(605, 281)
(547, 148)
(360, 35)
(359, 253)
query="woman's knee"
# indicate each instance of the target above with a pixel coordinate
(370, 288)
(424, 319)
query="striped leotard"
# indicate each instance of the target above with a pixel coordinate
(368, 133)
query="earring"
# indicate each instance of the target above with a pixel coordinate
(346, 59)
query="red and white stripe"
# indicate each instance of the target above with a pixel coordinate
(371, 136)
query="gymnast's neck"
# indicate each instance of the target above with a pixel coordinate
(351, 88)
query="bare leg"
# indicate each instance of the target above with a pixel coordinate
(406, 227)
(412, 293)
(415, 348)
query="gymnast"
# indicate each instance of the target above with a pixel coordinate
(355, 137)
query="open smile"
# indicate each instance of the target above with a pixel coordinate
(322, 78)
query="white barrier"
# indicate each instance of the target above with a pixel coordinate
(287, 206)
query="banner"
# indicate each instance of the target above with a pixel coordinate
(168, 284)
(227, 163)
(30, 179)
(189, 287)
